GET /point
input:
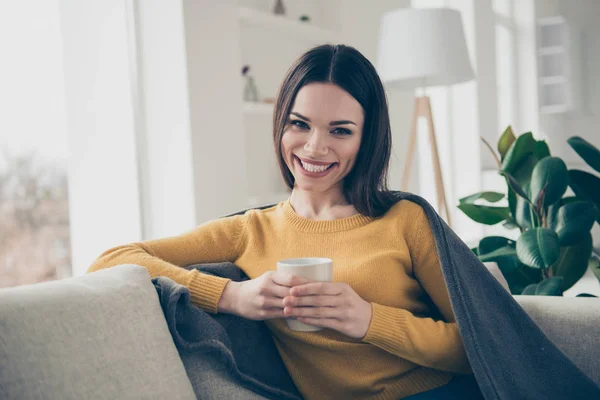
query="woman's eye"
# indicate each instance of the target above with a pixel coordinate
(299, 124)
(342, 131)
(304, 125)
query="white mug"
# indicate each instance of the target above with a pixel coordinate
(316, 269)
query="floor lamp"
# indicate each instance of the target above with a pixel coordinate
(419, 48)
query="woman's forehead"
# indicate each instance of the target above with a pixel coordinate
(327, 102)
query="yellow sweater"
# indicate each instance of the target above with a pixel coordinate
(412, 344)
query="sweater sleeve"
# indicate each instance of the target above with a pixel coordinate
(434, 343)
(215, 241)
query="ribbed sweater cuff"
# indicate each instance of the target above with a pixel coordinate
(206, 291)
(388, 327)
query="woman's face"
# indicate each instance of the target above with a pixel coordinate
(321, 139)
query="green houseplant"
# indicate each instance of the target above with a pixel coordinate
(554, 247)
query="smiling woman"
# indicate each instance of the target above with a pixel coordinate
(317, 150)
(343, 121)
(387, 305)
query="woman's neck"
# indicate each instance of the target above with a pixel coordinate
(321, 206)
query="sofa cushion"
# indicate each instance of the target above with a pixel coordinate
(571, 323)
(96, 336)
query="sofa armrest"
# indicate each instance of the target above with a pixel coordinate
(98, 336)
(571, 323)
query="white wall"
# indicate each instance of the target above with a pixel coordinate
(191, 141)
(104, 204)
(218, 140)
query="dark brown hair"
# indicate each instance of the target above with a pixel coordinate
(365, 187)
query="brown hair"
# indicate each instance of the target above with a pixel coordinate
(365, 187)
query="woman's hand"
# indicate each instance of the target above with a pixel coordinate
(260, 298)
(332, 305)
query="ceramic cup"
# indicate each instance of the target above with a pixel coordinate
(316, 269)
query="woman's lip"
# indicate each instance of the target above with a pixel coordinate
(313, 174)
(313, 162)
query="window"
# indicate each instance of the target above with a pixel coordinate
(34, 212)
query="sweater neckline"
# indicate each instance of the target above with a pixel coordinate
(323, 226)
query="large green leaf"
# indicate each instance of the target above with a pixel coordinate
(552, 214)
(574, 221)
(549, 181)
(587, 151)
(585, 186)
(573, 261)
(548, 287)
(512, 205)
(541, 149)
(502, 251)
(498, 254)
(496, 248)
(520, 149)
(505, 141)
(520, 161)
(523, 213)
(483, 214)
(518, 275)
(492, 197)
(491, 243)
(538, 247)
(515, 185)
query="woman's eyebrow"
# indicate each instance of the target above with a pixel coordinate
(332, 123)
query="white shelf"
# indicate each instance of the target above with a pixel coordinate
(284, 25)
(554, 68)
(552, 80)
(257, 108)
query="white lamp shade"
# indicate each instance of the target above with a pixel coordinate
(423, 47)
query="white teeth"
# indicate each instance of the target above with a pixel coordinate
(314, 168)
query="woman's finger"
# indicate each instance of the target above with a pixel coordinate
(270, 302)
(289, 280)
(313, 288)
(322, 301)
(276, 290)
(312, 312)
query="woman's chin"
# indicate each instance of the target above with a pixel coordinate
(315, 187)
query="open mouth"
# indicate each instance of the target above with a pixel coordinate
(314, 169)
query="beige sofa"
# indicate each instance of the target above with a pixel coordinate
(103, 336)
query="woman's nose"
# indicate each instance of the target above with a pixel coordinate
(316, 144)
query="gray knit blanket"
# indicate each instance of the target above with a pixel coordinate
(510, 356)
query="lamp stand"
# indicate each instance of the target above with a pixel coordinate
(423, 109)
